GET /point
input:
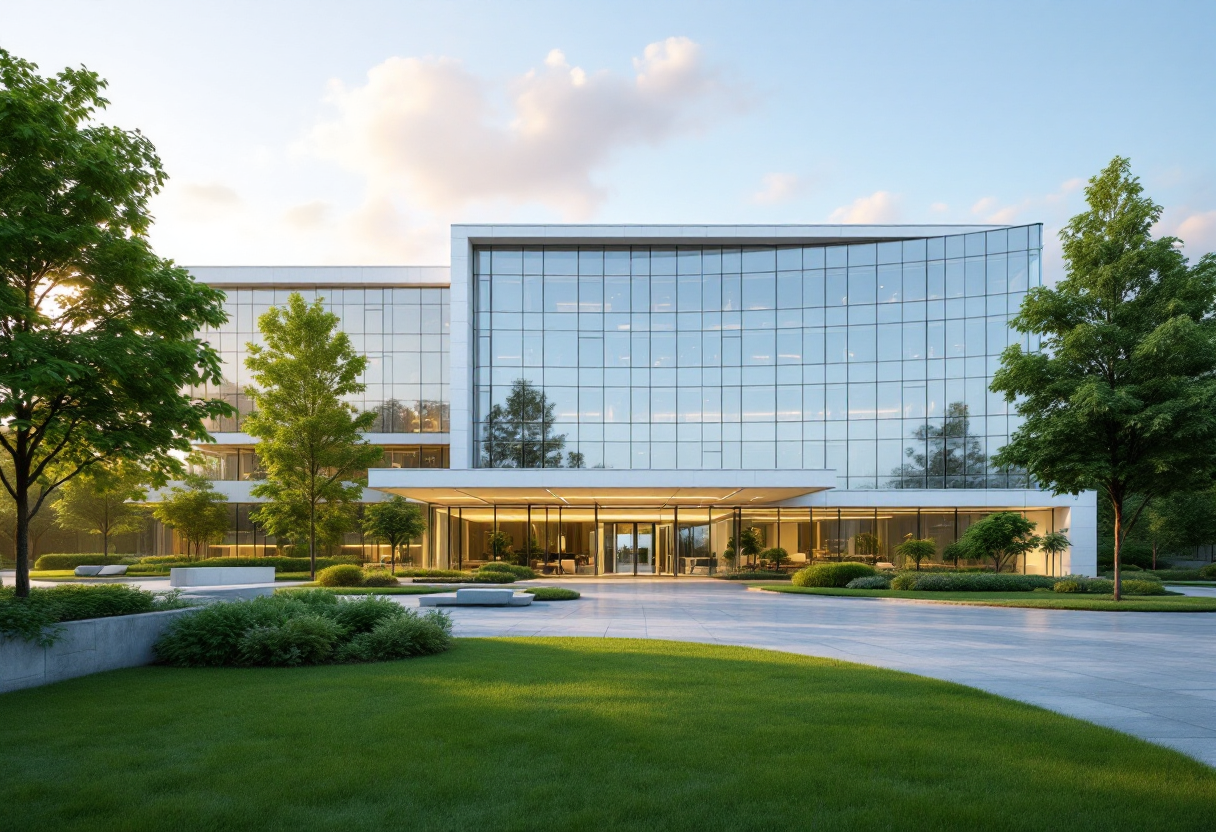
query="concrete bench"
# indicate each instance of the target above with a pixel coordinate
(477, 597)
(100, 571)
(220, 575)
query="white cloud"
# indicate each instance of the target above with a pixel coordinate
(427, 130)
(778, 187)
(203, 202)
(308, 216)
(939, 207)
(878, 208)
(1198, 233)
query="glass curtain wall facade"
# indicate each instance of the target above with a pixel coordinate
(404, 332)
(872, 359)
(580, 540)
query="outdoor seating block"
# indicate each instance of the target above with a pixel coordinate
(220, 575)
(112, 569)
(87, 571)
(477, 597)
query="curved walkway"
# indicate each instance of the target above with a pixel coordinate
(1147, 674)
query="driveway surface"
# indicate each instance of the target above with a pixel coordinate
(1152, 675)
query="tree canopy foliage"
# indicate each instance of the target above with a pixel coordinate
(102, 502)
(97, 333)
(1122, 397)
(311, 439)
(197, 512)
(1001, 537)
(519, 433)
(395, 521)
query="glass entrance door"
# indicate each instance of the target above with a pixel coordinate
(633, 548)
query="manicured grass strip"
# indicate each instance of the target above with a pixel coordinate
(407, 589)
(1031, 600)
(604, 734)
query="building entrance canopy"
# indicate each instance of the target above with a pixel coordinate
(599, 486)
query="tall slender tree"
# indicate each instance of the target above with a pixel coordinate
(197, 512)
(1122, 398)
(103, 503)
(98, 350)
(311, 442)
(394, 521)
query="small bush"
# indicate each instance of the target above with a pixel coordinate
(379, 577)
(1141, 587)
(1174, 575)
(493, 577)
(870, 582)
(775, 555)
(363, 615)
(1069, 585)
(345, 574)
(553, 593)
(1208, 572)
(521, 573)
(754, 575)
(300, 640)
(905, 581)
(401, 637)
(832, 574)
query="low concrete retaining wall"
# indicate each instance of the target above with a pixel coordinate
(84, 647)
(220, 575)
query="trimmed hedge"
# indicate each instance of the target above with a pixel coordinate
(971, 582)
(302, 628)
(1208, 572)
(553, 593)
(431, 573)
(832, 574)
(34, 618)
(47, 562)
(343, 574)
(1104, 586)
(521, 573)
(280, 564)
(379, 577)
(754, 575)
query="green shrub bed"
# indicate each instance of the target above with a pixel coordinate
(476, 578)
(302, 628)
(870, 582)
(832, 574)
(49, 562)
(35, 618)
(1103, 586)
(753, 575)
(521, 573)
(970, 582)
(553, 593)
(431, 573)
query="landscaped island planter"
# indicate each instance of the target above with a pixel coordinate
(88, 646)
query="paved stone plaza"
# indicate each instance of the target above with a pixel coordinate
(1147, 674)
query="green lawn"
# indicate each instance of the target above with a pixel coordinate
(556, 734)
(1032, 600)
(370, 590)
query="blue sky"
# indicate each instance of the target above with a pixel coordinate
(354, 132)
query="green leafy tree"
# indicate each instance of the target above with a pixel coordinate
(311, 440)
(103, 503)
(197, 512)
(1177, 522)
(1122, 398)
(1053, 545)
(1001, 537)
(916, 550)
(519, 432)
(98, 352)
(39, 524)
(948, 455)
(867, 545)
(395, 521)
(499, 543)
(751, 544)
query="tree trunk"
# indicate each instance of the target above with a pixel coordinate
(22, 582)
(1154, 554)
(1117, 506)
(312, 542)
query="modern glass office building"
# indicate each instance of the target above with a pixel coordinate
(628, 399)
